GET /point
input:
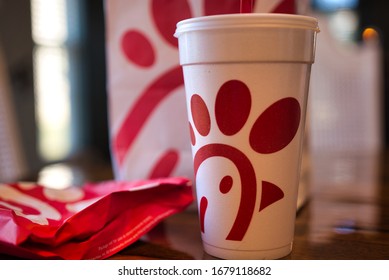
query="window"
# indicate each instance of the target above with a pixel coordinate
(56, 32)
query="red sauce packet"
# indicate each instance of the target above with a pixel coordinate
(94, 221)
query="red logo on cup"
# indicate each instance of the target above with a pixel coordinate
(272, 131)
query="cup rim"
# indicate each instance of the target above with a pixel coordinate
(254, 20)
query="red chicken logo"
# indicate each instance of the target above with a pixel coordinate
(272, 131)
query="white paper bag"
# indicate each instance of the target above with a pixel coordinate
(149, 130)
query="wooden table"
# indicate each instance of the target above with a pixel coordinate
(345, 217)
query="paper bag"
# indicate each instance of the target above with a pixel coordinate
(149, 131)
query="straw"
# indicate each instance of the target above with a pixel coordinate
(246, 6)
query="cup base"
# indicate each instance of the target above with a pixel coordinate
(230, 254)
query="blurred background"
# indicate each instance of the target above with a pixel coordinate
(54, 60)
(53, 99)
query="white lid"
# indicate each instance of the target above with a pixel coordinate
(247, 21)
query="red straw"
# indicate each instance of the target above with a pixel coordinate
(246, 6)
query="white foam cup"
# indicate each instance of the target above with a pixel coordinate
(246, 81)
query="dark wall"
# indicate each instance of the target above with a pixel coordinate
(17, 46)
(96, 75)
(376, 13)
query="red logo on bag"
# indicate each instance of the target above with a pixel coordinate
(139, 50)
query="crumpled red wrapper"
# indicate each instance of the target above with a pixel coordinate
(94, 221)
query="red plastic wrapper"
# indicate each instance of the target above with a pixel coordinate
(94, 221)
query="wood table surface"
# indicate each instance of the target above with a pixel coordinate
(346, 215)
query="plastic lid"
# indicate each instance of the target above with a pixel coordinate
(247, 21)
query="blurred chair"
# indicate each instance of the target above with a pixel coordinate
(345, 103)
(12, 163)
